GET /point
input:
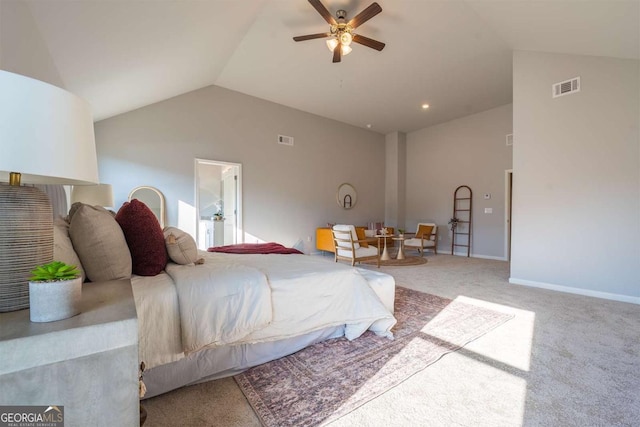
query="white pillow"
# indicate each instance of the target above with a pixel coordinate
(181, 247)
(370, 233)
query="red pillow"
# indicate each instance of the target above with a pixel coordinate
(144, 237)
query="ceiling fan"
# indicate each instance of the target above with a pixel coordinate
(341, 32)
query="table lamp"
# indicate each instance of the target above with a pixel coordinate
(94, 195)
(46, 137)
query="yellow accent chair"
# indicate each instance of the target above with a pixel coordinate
(426, 238)
(348, 247)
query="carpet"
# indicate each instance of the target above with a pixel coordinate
(410, 260)
(328, 380)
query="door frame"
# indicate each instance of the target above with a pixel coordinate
(508, 211)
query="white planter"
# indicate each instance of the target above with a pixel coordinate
(51, 301)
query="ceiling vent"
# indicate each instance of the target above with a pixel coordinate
(510, 139)
(285, 140)
(566, 87)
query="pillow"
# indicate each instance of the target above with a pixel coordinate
(424, 230)
(361, 236)
(144, 237)
(181, 247)
(100, 244)
(62, 246)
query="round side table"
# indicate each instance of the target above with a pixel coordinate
(385, 252)
(401, 248)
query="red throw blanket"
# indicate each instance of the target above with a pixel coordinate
(255, 248)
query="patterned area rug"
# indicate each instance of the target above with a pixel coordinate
(410, 260)
(328, 380)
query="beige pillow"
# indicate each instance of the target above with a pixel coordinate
(424, 230)
(100, 244)
(361, 236)
(181, 247)
(62, 246)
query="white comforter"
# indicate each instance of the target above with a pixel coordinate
(220, 303)
(237, 299)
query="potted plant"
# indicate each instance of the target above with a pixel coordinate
(55, 290)
(400, 232)
(453, 222)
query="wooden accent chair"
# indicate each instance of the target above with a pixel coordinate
(426, 238)
(349, 248)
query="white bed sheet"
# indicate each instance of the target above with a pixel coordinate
(159, 332)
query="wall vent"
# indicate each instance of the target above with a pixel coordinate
(510, 139)
(285, 140)
(566, 87)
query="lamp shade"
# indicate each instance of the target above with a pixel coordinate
(46, 133)
(95, 195)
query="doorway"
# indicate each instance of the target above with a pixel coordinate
(218, 203)
(508, 188)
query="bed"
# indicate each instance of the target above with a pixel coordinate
(198, 322)
(202, 322)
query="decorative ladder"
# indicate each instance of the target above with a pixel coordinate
(462, 204)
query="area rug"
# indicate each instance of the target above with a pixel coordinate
(410, 260)
(328, 380)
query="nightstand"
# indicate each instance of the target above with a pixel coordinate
(87, 363)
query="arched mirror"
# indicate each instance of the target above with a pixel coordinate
(347, 196)
(153, 198)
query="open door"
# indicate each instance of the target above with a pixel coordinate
(218, 203)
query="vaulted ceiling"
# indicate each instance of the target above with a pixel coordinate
(454, 55)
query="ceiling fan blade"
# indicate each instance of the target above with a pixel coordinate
(311, 36)
(323, 11)
(365, 15)
(337, 53)
(373, 44)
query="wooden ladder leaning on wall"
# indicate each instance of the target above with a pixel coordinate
(462, 211)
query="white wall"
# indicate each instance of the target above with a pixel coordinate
(468, 151)
(287, 191)
(22, 48)
(576, 164)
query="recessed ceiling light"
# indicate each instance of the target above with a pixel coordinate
(368, 125)
(425, 106)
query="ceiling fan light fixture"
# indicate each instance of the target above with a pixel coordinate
(332, 43)
(341, 31)
(346, 38)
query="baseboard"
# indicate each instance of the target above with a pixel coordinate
(497, 258)
(578, 291)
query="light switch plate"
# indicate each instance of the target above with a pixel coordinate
(488, 210)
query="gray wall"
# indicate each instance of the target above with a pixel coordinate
(287, 191)
(576, 168)
(469, 151)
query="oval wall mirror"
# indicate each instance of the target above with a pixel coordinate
(347, 196)
(153, 198)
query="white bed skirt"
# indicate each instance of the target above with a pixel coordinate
(220, 362)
